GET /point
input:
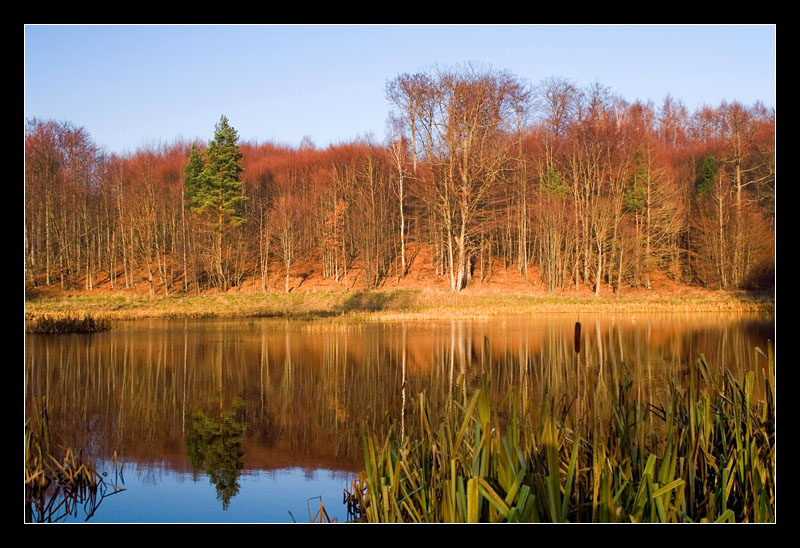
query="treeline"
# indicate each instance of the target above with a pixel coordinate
(574, 187)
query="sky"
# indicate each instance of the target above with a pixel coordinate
(139, 86)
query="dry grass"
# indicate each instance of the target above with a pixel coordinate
(59, 481)
(396, 304)
(64, 324)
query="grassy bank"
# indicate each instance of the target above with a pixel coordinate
(377, 305)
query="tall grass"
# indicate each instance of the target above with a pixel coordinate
(65, 324)
(708, 455)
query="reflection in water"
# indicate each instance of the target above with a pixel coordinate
(214, 447)
(309, 387)
(59, 503)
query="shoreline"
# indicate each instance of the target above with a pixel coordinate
(379, 305)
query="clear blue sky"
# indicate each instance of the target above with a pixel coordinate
(139, 85)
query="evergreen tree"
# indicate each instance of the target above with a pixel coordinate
(215, 191)
(218, 189)
(192, 175)
(636, 196)
(554, 183)
(709, 171)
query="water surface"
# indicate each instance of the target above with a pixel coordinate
(253, 420)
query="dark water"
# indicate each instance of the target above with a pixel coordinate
(254, 420)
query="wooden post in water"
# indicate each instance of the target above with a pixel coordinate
(577, 337)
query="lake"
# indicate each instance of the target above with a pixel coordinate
(259, 420)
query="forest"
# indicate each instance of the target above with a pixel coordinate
(574, 187)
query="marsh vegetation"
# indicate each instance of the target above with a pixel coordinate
(706, 455)
(64, 324)
(60, 481)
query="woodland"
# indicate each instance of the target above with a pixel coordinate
(573, 187)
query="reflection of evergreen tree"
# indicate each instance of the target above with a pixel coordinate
(214, 446)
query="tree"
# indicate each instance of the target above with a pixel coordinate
(558, 101)
(43, 178)
(216, 191)
(553, 229)
(595, 191)
(397, 150)
(285, 213)
(193, 173)
(465, 117)
(707, 176)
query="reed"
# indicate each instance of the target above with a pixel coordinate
(65, 324)
(708, 455)
(59, 481)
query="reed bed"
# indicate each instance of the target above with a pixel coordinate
(59, 481)
(65, 324)
(708, 455)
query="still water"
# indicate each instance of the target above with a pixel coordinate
(259, 420)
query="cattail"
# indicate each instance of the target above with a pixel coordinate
(577, 337)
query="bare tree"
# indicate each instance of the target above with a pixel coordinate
(465, 117)
(285, 212)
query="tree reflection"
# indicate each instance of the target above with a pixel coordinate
(310, 386)
(214, 447)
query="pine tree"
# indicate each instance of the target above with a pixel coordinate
(214, 190)
(192, 175)
(708, 173)
(218, 189)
